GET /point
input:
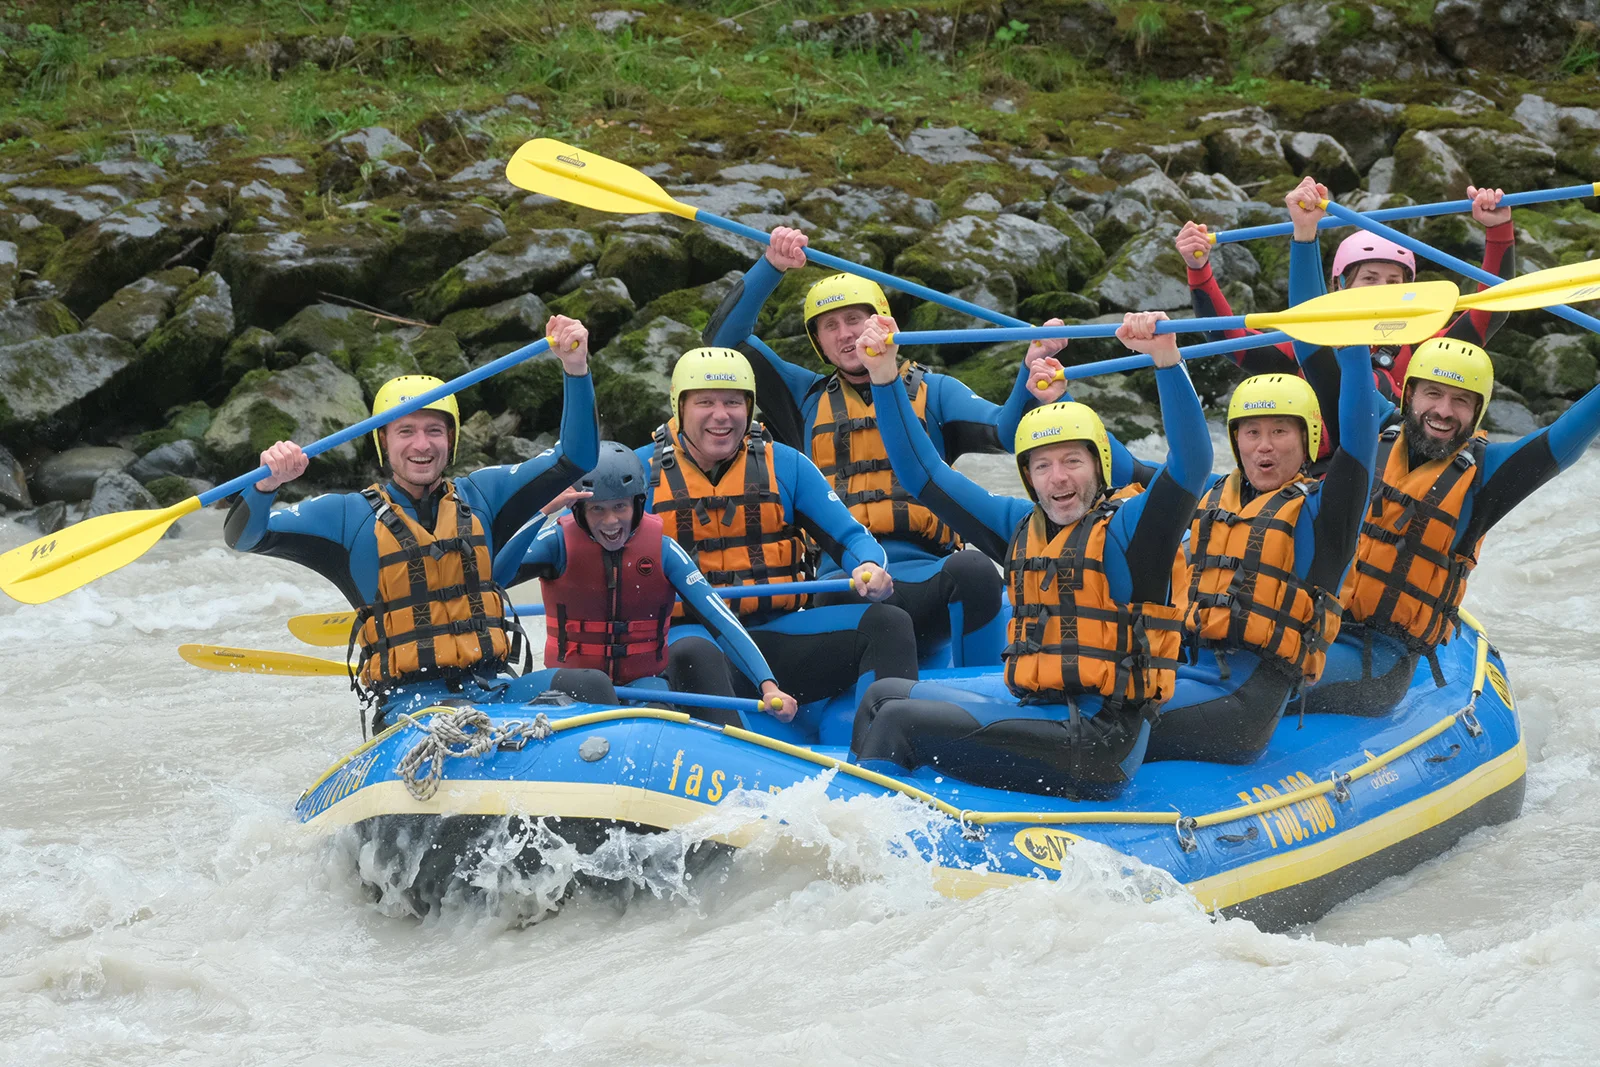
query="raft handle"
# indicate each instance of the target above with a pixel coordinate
(971, 831)
(1185, 827)
(1455, 750)
(1341, 786)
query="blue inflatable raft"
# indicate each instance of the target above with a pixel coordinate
(1335, 805)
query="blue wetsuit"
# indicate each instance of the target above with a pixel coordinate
(946, 593)
(818, 653)
(977, 729)
(540, 551)
(1227, 704)
(333, 534)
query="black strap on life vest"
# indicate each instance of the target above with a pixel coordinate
(691, 513)
(843, 467)
(1457, 562)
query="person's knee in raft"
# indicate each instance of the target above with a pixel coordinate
(609, 542)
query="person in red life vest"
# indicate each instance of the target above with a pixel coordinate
(610, 580)
(413, 554)
(1361, 260)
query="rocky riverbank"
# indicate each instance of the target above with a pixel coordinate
(171, 303)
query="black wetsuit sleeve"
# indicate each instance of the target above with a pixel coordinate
(1516, 479)
(780, 413)
(1345, 489)
(1168, 509)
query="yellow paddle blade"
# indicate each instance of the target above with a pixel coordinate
(58, 563)
(259, 661)
(331, 630)
(580, 177)
(1571, 284)
(1372, 315)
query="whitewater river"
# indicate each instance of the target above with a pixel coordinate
(160, 905)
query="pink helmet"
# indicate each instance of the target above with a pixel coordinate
(1361, 246)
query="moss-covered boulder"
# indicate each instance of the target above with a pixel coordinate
(1515, 36)
(169, 489)
(1500, 160)
(992, 372)
(71, 475)
(602, 304)
(633, 374)
(273, 275)
(180, 360)
(1427, 169)
(520, 319)
(135, 310)
(1366, 128)
(48, 385)
(648, 264)
(180, 457)
(997, 292)
(967, 249)
(127, 244)
(334, 330)
(1122, 221)
(306, 402)
(523, 263)
(1246, 153)
(1157, 192)
(10, 263)
(35, 320)
(13, 483)
(1146, 275)
(411, 350)
(435, 237)
(1557, 365)
(251, 350)
(186, 422)
(1322, 155)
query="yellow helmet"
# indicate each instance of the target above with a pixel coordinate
(1054, 424)
(1277, 394)
(397, 391)
(841, 291)
(712, 368)
(1459, 364)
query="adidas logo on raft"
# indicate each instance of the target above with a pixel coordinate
(1252, 405)
(1440, 372)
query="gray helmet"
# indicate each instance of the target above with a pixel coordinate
(618, 475)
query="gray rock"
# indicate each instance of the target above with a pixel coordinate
(1366, 128)
(1320, 154)
(181, 458)
(1558, 365)
(332, 330)
(609, 22)
(263, 201)
(46, 384)
(758, 172)
(602, 304)
(71, 475)
(301, 404)
(135, 310)
(968, 249)
(136, 170)
(1211, 187)
(1380, 179)
(1124, 165)
(13, 484)
(1157, 192)
(513, 449)
(1427, 169)
(486, 178)
(280, 165)
(1146, 275)
(409, 350)
(374, 143)
(1511, 36)
(530, 262)
(997, 292)
(69, 209)
(1037, 167)
(1180, 157)
(1246, 153)
(520, 319)
(35, 320)
(648, 264)
(253, 349)
(1299, 41)
(128, 244)
(436, 237)
(734, 198)
(1004, 105)
(1554, 125)
(981, 202)
(1509, 414)
(46, 518)
(1217, 214)
(1123, 220)
(1244, 116)
(116, 491)
(1495, 159)
(945, 146)
(273, 274)
(8, 272)
(1467, 103)
(179, 359)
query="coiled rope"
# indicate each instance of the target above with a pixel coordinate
(465, 734)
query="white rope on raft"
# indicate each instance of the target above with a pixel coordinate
(464, 734)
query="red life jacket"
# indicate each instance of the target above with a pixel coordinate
(610, 610)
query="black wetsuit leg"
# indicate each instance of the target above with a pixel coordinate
(821, 652)
(1221, 722)
(968, 578)
(696, 665)
(1047, 749)
(1366, 674)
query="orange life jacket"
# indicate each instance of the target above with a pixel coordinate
(1241, 591)
(848, 449)
(1068, 636)
(1410, 571)
(735, 529)
(437, 612)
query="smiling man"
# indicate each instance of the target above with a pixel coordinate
(414, 554)
(1441, 486)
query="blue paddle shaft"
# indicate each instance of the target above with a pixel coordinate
(1413, 211)
(833, 585)
(1040, 333)
(1444, 259)
(455, 385)
(822, 259)
(1201, 351)
(693, 700)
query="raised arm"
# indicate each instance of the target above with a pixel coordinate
(1499, 258)
(967, 422)
(1345, 488)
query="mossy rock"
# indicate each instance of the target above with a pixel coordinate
(1427, 169)
(648, 264)
(35, 320)
(522, 263)
(1557, 366)
(964, 250)
(521, 319)
(187, 422)
(334, 330)
(1057, 305)
(180, 360)
(992, 373)
(169, 489)
(306, 402)
(251, 350)
(601, 304)
(126, 245)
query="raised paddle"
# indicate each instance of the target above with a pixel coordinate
(1412, 211)
(263, 661)
(332, 629)
(58, 563)
(1348, 317)
(1577, 291)
(581, 177)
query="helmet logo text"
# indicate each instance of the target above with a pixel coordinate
(826, 300)
(1252, 405)
(1440, 372)
(1053, 431)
